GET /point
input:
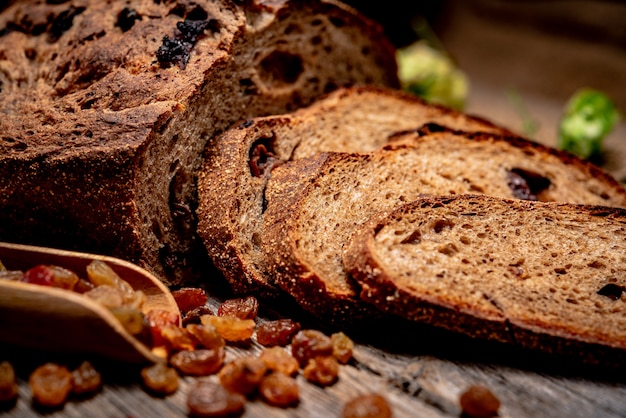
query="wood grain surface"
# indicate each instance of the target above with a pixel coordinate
(420, 370)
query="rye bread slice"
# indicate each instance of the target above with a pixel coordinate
(547, 276)
(315, 204)
(236, 168)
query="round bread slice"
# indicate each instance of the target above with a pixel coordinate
(547, 276)
(236, 167)
(315, 204)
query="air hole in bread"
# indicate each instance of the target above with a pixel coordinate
(527, 184)
(280, 68)
(293, 28)
(316, 40)
(448, 249)
(414, 238)
(337, 22)
(465, 240)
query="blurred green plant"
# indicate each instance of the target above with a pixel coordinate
(588, 118)
(426, 70)
(529, 124)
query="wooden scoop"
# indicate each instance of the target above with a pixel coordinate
(49, 318)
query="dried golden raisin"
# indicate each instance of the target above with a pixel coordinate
(310, 343)
(85, 379)
(198, 362)
(230, 327)
(160, 378)
(100, 273)
(83, 286)
(206, 335)
(279, 390)
(50, 384)
(342, 347)
(63, 278)
(210, 399)
(479, 402)
(371, 405)
(242, 308)
(322, 370)
(243, 375)
(279, 332)
(177, 338)
(132, 319)
(157, 319)
(8, 385)
(107, 296)
(189, 298)
(279, 360)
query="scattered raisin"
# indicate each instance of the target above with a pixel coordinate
(279, 360)
(41, 275)
(278, 389)
(160, 379)
(198, 362)
(189, 298)
(193, 316)
(177, 338)
(279, 332)
(342, 347)
(310, 343)
(157, 319)
(85, 379)
(322, 370)
(8, 386)
(50, 384)
(243, 375)
(478, 402)
(230, 327)
(210, 399)
(242, 308)
(206, 335)
(367, 406)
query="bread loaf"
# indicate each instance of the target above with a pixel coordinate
(540, 275)
(106, 107)
(315, 204)
(233, 177)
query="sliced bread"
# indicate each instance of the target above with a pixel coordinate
(236, 168)
(541, 275)
(315, 204)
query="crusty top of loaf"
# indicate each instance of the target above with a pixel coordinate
(473, 263)
(90, 72)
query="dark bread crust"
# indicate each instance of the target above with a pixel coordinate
(231, 196)
(101, 142)
(383, 289)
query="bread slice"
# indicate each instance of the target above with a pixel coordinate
(315, 204)
(232, 180)
(541, 275)
(107, 105)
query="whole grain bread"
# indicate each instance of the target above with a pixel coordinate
(106, 106)
(236, 169)
(315, 204)
(546, 276)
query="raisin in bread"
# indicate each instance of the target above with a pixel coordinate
(315, 204)
(540, 275)
(232, 180)
(107, 105)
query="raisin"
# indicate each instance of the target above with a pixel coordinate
(279, 360)
(177, 338)
(342, 347)
(173, 51)
(525, 184)
(40, 275)
(83, 286)
(310, 343)
(193, 316)
(199, 362)
(126, 19)
(63, 22)
(100, 273)
(206, 335)
(63, 278)
(8, 385)
(50, 384)
(210, 399)
(322, 370)
(279, 332)
(371, 405)
(242, 308)
(189, 298)
(108, 296)
(261, 157)
(478, 402)
(279, 390)
(231, 328)
(160, 379)
(132, 319)
(85, 379)
(243, 375)
(157, 319)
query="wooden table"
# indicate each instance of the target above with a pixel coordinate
(423, 371)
